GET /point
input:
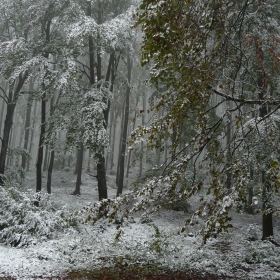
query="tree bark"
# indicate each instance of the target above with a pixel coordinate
(267, 224)
(13, 97)
(142, 145)
(41, 148)
(50, 169)
(51, 159)
(129, 153)
(27, 126)
(228, 139)
(9, 160)
(120, 147)
(250, 194)
(77, 190)
(76, 165)
(3, 101)
(88, 166)
(43, 129)
(109, 153)
(32, 135)
(113, 145)
(101, 178)
(125, 125)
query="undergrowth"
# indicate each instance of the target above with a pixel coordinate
(22, 223)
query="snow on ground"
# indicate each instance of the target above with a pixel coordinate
(156, 242)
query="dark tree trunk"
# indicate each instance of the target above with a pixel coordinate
(77, 190)
(158, 150)
(228, 139)
(88, 166)
(109, 153)
(27, 127)
(101, 170)
(43, 130)
(267, 224)
(41, 149)
(50, 169)
(113, 146)
(3, 101)
(115, 63)
(9, 160)
(13, 97)
(101, 178)
(120, 147)
(101, 166)
(32, 135)
(267, 228)
(125, 125)
(51, 160)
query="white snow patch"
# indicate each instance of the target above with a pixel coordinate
(156, 242)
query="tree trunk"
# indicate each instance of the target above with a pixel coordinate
(88, 166)
(46, 158)
(228, 139)
(249, 207)
(40, 149)
(158, 150)
(27, 126)
(32, 135)
(50, 169)
(101, 166)
(13, 97)
(9, 160)
(120, 148)
(77, 190)
(101, 178)
(51, 160)
(125, 125)
(113, 146)
(43, 130)
(109, 153)
(129, 153)
(77, 164)
(3, 101)
(267, 224)
(142, 144)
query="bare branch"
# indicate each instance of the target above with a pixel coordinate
(246, 101)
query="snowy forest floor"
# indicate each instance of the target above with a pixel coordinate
(144, 250)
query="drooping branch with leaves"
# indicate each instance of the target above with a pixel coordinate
(219, 63)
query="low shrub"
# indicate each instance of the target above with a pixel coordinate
(22, 223)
